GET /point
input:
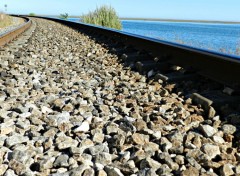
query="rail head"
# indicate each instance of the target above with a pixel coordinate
(11, 34)
(217, 66)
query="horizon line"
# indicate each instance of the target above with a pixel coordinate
(158, 19)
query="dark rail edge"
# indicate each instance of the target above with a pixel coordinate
(10, 35)
(216, 66)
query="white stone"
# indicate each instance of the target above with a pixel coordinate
(211, 150)
(63, 117)
(157, 134)
(46, 110)
(218, 139)
(208, 130)
(25, 115)
(99, 166)
(84, 127)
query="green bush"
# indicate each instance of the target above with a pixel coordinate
(104, 16)
(64, 16)
(32, 14)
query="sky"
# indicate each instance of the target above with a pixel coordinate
(224, 10)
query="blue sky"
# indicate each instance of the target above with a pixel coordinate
(227, 10)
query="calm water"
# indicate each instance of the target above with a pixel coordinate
(219, 37)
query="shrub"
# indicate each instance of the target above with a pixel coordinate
(64, 16)
(104, 16)
(32, 14)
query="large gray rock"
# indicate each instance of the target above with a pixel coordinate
(207, 130)
(61, 161)
(103, 158)
(16, 139)
(94, 150)
(23, 157)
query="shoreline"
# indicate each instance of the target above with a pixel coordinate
(175, 20)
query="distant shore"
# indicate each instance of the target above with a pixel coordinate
(176, 20)
(168, 20)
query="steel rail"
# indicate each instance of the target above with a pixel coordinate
(10, 35)
(219, 67)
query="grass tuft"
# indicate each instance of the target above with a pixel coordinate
(103, 16)
(5, 20)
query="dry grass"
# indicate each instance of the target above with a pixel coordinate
(5, 20)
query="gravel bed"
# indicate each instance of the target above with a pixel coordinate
(68, 107)
(16, 22)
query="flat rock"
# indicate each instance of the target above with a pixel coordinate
(218, 139)
(16, 139)
(94, 150)
(140, 138)
(64, 142)
(84, 127)
(207, 130)
(211, 150)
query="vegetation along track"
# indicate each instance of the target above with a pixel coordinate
(73, 104)
(13, 33)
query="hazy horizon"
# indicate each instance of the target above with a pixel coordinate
(214, 10)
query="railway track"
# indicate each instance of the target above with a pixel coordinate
(74, 99)
(12, 34)
(171, 62)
